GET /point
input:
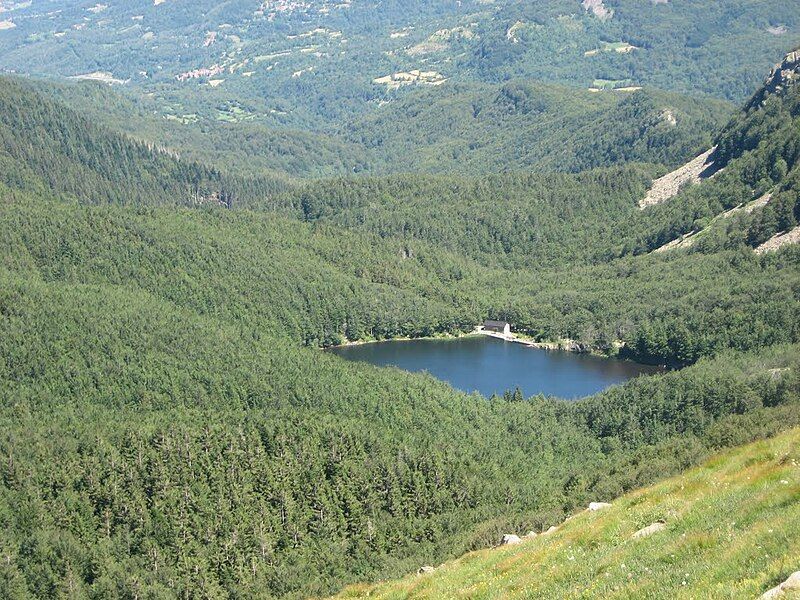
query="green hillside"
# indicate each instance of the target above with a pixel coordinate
(293, 90)
(465, 129)
(313, 64)
(757, 193)
(731, 530)
(48, 148)
(171, 425)
(208, 453)
(524, 124)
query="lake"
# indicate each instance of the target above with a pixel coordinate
(489, 365)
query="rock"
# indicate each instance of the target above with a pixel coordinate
(425, 570)
(650, 530)
(666, 187)
(530, 534)
(783, 76)
(779, 240)
(551, 530)
(510, 539)
(792, 584)
(593, 506)
(577, 347)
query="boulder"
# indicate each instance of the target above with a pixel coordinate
(510, 539)
(650, 530)
(425, 570)
(598, 505)
(792, 584)
(551, 530)
(530, 534)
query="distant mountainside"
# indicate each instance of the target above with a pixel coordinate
(312, 64)
(45, 146)
(522, 125)
(721, 530)
(240, 147)
(465, 129)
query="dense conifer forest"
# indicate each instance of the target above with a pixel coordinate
(170, 422)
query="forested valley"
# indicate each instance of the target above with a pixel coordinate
(171, 423)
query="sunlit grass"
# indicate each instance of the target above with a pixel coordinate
(733, 531)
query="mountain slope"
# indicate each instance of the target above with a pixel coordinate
(459, 129)
(311, 64)
(756, 153)
(167, 441)
(165, 433)
(731, 529)
(230, 142)
(170, 426)
(49, 148)
(755, 191)
(523, 124)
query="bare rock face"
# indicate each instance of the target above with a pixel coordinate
(668, 186)
(649, 530)
(782, 77)
(779, 240)
(510, 539)
(593, 506)
(597, 8)
(792, 584)
(425, 570)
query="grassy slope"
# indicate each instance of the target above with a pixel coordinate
(733, 531)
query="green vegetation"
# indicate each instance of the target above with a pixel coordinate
(170, 427)
(48, 148)
(209, 454)
(465, 129)
(760, 152)
(308, 71)
(729, 527)
(250, 148)
(519, 125)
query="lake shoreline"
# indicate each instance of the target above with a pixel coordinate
(563, 345)
(482, 362)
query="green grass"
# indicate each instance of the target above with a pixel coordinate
(733, 531)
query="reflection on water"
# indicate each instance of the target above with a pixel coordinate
(488, 365)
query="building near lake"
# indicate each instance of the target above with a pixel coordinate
(503, 327)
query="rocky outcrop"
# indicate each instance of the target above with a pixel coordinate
(649, 530)
(778, 241)
(593, 506)
(664, 188)
(425, 570)
(791, 585)
(598, 9)
(782, 77)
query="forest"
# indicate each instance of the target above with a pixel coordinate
(172, 426)
(209, 453)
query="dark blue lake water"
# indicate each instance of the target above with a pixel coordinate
(488, 365)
